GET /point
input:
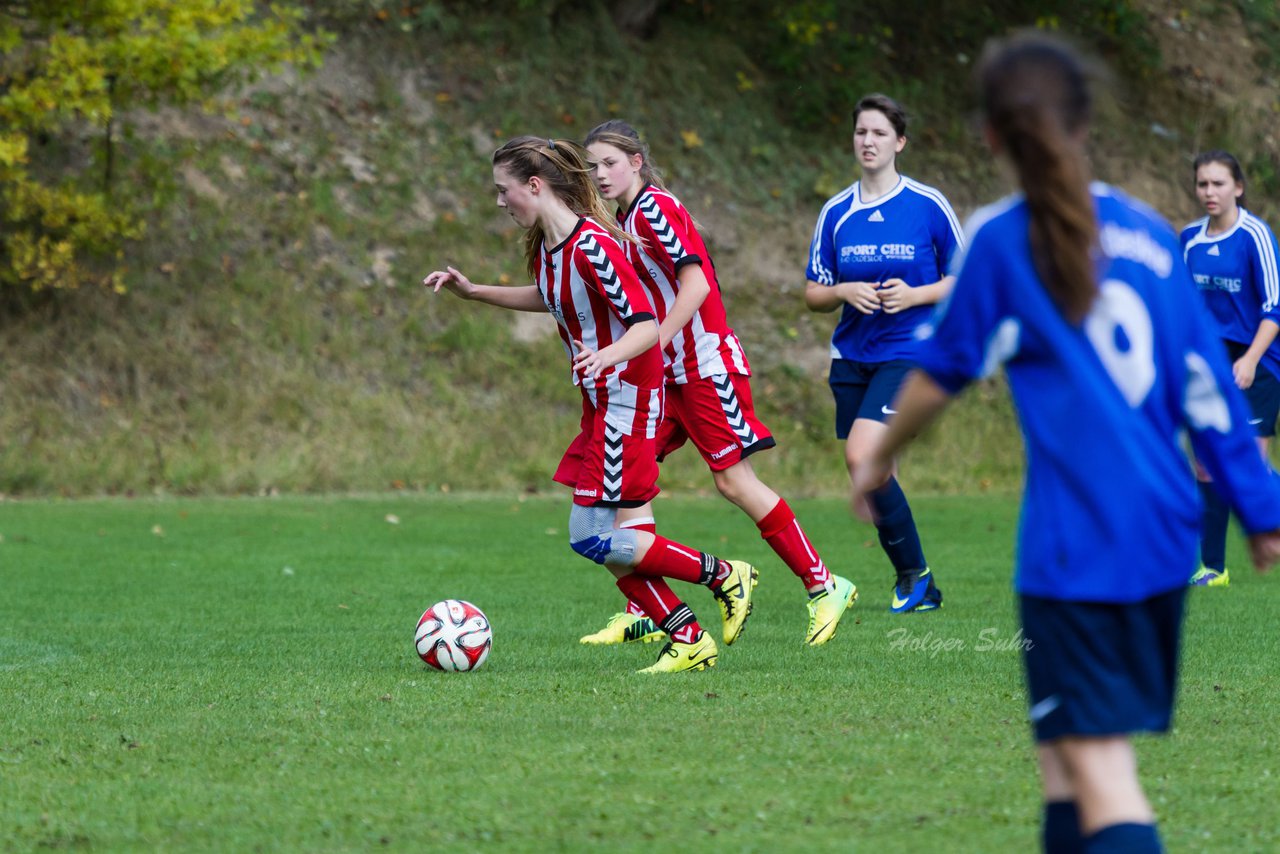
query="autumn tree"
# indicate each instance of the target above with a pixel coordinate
(68, 70)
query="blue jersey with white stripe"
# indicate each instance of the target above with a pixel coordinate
(1110, 509)
(1237, 275)
(910, 233)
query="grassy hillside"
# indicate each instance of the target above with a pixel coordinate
(275, 336)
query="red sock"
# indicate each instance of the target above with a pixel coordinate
(661, 605)
(644, 523)
(672, 560)
(782, 531)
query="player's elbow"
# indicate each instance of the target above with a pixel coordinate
(645, 334)
(699, 292)
(816, 298)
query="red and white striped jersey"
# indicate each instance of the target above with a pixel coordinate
(706, 347)
(591, 289)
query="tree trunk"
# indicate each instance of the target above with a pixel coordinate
(637, 18)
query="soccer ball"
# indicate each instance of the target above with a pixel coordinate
(453, 635)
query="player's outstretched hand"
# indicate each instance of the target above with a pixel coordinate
(452, 280)
(895, 295)
(1264, 549)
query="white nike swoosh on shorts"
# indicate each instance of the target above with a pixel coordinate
(1042, 709)
(887, 411)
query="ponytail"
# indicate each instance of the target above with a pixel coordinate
(1036, 101)
(563, 165)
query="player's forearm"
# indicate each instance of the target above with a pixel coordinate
(822, 298)
(1239, 473)
(638, 338)
(1262, 340)
(689, 298)
(519, 298)
(935, 293)
(917, 405)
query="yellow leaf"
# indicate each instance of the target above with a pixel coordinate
(13, 150)
(691, 139)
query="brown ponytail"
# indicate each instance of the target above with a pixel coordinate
(1036, 100)
(563, 165)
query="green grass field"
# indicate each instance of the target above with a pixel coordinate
(239, 675)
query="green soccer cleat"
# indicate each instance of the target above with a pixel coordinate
(734, 597)
(826, 609)
(678, 657)
(626, 628)
(1206, 577)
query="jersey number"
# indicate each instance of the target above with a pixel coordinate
(1119, 327)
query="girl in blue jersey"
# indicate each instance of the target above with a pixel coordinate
(1232, 256)
(880, 253)
(1079, 291)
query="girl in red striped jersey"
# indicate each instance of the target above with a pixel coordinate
(582, 276)
(708, 390)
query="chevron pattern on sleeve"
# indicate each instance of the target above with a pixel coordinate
(608, 276)
(662, 228)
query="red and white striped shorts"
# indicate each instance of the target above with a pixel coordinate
(612, 462)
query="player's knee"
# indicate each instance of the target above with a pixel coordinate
(855, 456)
(592, 535)
(591, 547)
(738, 483)
(854, 459)
(728, 483)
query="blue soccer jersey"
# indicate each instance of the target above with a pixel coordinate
(1236, 273)
(1110, 511)
(910, 233)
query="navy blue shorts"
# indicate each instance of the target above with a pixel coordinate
(865, 390)
(1263, 395)
(1095, 668)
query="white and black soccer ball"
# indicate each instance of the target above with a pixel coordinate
(453, 635)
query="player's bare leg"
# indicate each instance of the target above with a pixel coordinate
(1101, 772)
(829, 595)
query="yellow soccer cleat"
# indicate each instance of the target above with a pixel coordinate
(677, 657)
(826, 609)
(1206, 577)
(626, 628)
(734, 597)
